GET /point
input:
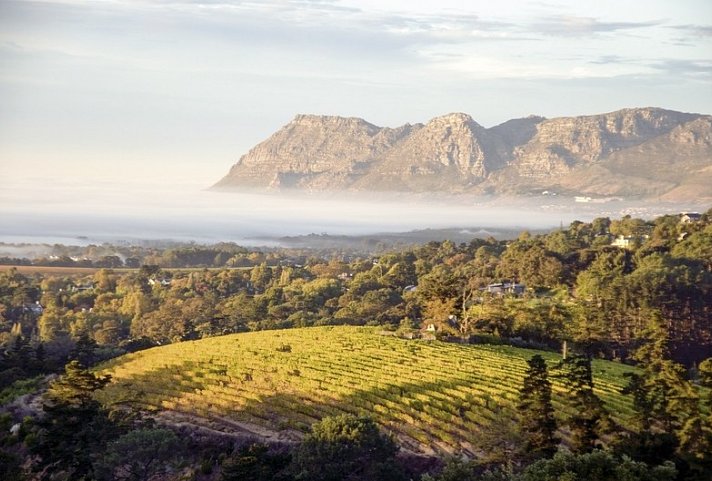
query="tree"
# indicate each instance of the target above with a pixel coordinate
(595, 466)
(74, 426)
(139, 455)
(604, 301)
(670, 396)
(84, 350)
(667, 413)
(529, 262)
(104, 278)
(50, 324)
(536, 412)
(455, 470)
(261, 276)
(256, 463)
(346, 447)
(705, 370)
(695, 435)
(439, 312)
(590, 418)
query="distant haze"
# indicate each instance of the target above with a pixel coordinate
(116, 114)
(80, 214)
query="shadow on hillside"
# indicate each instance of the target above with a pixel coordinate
(439, 424)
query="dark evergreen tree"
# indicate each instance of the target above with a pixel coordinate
(670, 397)
(590, 418)
(669, 417)
(643, 442)
(84, 350)
(74, 426)
(21, 354)
(40, 360)
(695, 435)
(536, 413)
(642, 403)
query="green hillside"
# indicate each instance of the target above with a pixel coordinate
(435, 397)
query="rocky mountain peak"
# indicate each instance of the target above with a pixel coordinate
(332, 121)
(455, 118)
(637, 151)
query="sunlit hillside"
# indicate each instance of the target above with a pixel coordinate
(435, 397)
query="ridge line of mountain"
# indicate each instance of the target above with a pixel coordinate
(634, 152)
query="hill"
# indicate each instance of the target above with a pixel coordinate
(642, 152)
(434, 397)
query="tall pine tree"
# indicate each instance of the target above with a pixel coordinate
(536, 412)
(667, 417)
(590, 419)
(74, 426)
(695, 434)
(670, 396)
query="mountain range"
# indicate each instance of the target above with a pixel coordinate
(639, 152)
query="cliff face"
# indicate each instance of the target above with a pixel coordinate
(629, 152)
(312, 152)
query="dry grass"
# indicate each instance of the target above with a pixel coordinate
(58, 271)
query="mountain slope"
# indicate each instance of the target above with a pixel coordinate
(632, 152)
(434, 397)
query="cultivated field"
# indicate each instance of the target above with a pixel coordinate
(54, 271)
(434, 397)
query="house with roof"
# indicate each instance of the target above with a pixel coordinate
(624, 241)
(690, 217)
(502, 288)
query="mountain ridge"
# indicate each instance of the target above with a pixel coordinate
(634, 152)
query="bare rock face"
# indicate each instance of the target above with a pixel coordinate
(561, 145)
(447, 152)
(628, 152)
(313, 152)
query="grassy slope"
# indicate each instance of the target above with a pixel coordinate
(433, 396)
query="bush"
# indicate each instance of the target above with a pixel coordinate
(346, 447)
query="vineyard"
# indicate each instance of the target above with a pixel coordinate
(434, 397)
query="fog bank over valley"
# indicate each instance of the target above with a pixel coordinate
(42, 212)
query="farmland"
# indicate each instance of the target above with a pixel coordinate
(435, 397)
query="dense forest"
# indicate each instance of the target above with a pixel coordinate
(627, 289)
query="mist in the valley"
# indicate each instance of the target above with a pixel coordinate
(103, 212)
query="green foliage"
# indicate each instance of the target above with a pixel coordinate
(597, 465)
(536, 411)
(345, 447)
(669, 398)
(579, 288)
(19, 388)
(84, 350)
(74, 425)
(138, 455)
(696, 246)
(529, 262)
(455, 469)
(668, 413)
(256, 462)
(589, 419)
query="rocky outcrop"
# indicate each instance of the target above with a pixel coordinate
(561, 145)
(312, 152)
(630, 151)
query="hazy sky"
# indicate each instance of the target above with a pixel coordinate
(177, 90)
